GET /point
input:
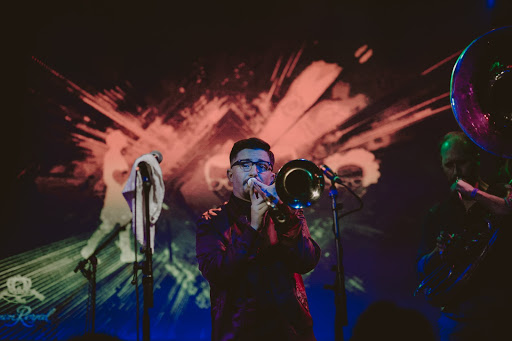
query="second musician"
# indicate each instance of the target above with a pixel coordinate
(480, 310)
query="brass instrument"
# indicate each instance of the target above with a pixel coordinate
(480, 90)
(299, 183)
(463, 255)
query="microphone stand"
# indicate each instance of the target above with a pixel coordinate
(340, 298)
(147, 265)
(90, 273)
(340, 302)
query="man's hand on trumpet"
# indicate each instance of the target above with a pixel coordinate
(268, 191)
(260, 193)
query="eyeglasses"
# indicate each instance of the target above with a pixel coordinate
(261, 166)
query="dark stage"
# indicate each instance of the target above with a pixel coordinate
(361, 86)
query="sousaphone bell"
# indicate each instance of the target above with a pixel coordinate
(481, 91)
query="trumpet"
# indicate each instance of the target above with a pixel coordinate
(299, 183)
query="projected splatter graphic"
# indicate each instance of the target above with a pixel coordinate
(304, 108)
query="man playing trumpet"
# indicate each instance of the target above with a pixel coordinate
(253, 264)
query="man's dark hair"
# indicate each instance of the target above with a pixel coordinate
(250, 143)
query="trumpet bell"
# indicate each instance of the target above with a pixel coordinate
(299, 183)
(481, 91)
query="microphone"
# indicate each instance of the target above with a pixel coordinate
(158, 156)
(143, 166)
(330, 174)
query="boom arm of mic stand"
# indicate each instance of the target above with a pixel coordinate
(81, 265)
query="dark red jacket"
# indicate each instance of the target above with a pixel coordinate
(256, 289)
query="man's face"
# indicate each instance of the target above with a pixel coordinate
(238, 177)
(457, 161)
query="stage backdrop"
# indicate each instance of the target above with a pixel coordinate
(359, 86)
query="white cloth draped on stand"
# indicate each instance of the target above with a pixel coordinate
(134, 195)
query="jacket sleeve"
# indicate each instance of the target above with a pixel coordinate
(301, 252)
(219, 251)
